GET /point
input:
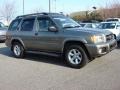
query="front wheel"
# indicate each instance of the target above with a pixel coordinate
(76, 56)
(18, 50)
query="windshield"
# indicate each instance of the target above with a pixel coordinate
(65, 22)
(107, 26)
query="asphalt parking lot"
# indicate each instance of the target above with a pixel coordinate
(41, 72)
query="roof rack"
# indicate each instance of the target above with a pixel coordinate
(34, 14)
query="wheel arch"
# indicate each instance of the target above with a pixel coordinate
(17, 40)
(72, 42)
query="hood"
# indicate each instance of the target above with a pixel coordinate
(91, 31)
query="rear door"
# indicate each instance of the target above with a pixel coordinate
(27, 33)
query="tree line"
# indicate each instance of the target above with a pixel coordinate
(111, 10)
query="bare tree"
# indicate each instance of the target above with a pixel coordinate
(38, 10)
(8, 11)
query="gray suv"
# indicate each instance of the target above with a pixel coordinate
(58, 34)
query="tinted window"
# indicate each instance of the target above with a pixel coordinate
(44, 24)
(14, 25)
(27, 25)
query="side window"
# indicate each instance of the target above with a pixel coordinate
(14, 25)
(27, 25)
(44, 24)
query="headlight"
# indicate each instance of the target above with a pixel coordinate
(98, 38)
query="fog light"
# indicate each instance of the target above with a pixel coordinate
(100, 51)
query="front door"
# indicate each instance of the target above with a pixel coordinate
(46, 40)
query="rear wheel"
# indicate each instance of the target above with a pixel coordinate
(75, 56)
(18, 50)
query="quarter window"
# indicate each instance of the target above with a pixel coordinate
(14, 25)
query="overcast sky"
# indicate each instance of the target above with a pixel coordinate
(66, 6)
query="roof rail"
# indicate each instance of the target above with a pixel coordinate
(34, 14)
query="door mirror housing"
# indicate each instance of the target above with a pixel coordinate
(52, 29)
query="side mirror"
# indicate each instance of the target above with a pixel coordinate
(52, 29)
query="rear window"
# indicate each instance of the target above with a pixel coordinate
(14, 25)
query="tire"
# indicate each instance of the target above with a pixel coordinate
(77, 60)
(18, 50)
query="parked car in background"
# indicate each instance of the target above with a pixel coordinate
(3, 30)
(91, 25)
(114, 27)
(112, 19)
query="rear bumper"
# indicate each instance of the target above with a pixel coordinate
(96, 50)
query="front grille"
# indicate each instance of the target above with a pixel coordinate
(109, 37)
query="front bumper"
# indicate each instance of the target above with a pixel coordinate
(96, 50)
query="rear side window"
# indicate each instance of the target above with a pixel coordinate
(27, 25)
(14, 25)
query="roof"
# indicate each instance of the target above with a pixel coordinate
(38, 14)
